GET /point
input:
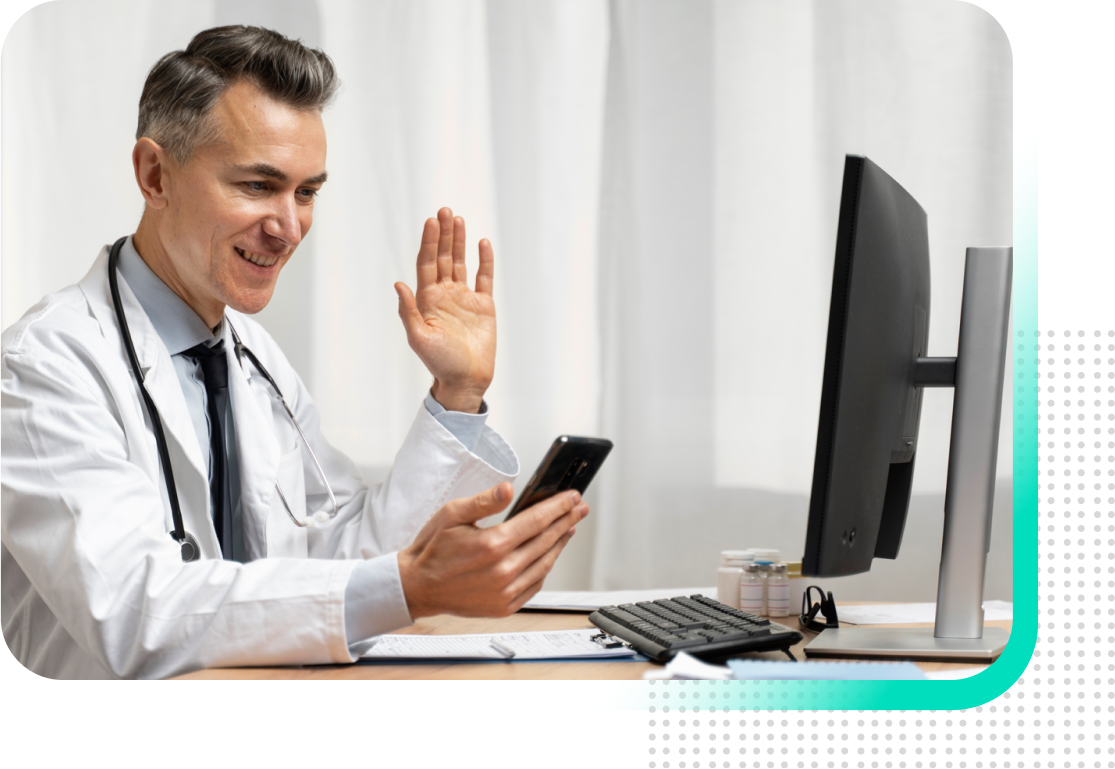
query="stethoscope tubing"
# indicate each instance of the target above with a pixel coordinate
(190, 549)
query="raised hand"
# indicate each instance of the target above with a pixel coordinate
(451, 327)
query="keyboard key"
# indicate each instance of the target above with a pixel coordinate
(683, 643)
(623, 618)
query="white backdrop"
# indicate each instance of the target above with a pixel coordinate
(660, 181)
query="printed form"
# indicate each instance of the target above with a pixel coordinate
(536, 645)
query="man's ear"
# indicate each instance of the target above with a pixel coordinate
(151, 164)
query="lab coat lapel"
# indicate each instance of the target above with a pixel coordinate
(256, 446)
(162, 384)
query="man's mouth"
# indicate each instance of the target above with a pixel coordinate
(263, 260)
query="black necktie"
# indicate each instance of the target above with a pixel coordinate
(214, 369)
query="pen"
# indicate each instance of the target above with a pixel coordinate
(503, 649)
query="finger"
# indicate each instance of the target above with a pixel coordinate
(445, 245)
(460, 271)
(486, 274)
(536, 546)
(525, 596)
(536, 572)
(408, 311)
(427, 254)
(473, 509)
(536, 518)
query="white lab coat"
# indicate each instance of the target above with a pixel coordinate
(94, 586)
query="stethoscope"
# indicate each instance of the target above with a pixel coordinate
(190, 549)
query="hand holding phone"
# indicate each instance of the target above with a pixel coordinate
(571, 463)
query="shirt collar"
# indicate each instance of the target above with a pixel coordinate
(177, 325)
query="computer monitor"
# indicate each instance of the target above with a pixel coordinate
(867, 433)
(875, 369)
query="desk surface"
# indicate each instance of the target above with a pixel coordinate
(522, 621)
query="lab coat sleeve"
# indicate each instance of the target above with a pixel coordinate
(86, 526)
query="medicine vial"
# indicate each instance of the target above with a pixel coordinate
(798, 584)
(778, 591)
(764, 573)
(751, 590)
(727, 576)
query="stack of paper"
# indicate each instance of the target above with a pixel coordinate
(591, 600)
(538, 645)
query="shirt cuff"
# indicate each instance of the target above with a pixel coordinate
(466, 428)
(374, 599)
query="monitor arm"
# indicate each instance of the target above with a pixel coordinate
(980, 366)
(935, 372)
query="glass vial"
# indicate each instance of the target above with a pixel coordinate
(778, 592)
(764, 574)
(727, 576)
(751, 590)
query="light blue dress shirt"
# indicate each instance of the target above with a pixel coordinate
(373, 600)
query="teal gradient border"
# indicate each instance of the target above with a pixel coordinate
(998, 677)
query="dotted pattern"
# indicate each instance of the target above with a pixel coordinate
(1061, 713)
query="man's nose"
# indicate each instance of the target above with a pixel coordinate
(282, 222)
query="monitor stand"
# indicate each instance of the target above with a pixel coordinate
(959, 633)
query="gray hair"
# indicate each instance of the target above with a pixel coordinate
(183, 86)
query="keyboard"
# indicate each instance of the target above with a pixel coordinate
(697, 625)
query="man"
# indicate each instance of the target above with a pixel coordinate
(230, 153)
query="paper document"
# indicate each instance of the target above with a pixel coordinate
(764, 670)
(686, 667)
(591, 600)
(893, 614)
(536, 645)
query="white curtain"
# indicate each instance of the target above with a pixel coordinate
(660, 180)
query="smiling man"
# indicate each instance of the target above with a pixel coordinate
(169, 502)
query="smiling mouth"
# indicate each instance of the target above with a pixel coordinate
(260, 259)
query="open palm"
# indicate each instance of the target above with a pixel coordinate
(451, 327)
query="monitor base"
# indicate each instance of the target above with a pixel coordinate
(907, 643)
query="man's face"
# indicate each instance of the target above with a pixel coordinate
(238, 209)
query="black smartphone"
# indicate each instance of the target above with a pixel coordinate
(571, 463)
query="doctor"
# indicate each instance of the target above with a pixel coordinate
(229, 156)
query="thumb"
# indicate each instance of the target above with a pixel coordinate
(473, 509)
(408, 309)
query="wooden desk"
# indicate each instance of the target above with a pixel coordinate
(446, 625)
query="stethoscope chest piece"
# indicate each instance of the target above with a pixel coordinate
(190, 549)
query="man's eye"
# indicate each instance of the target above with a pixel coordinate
(256, 186)
(307, 194)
